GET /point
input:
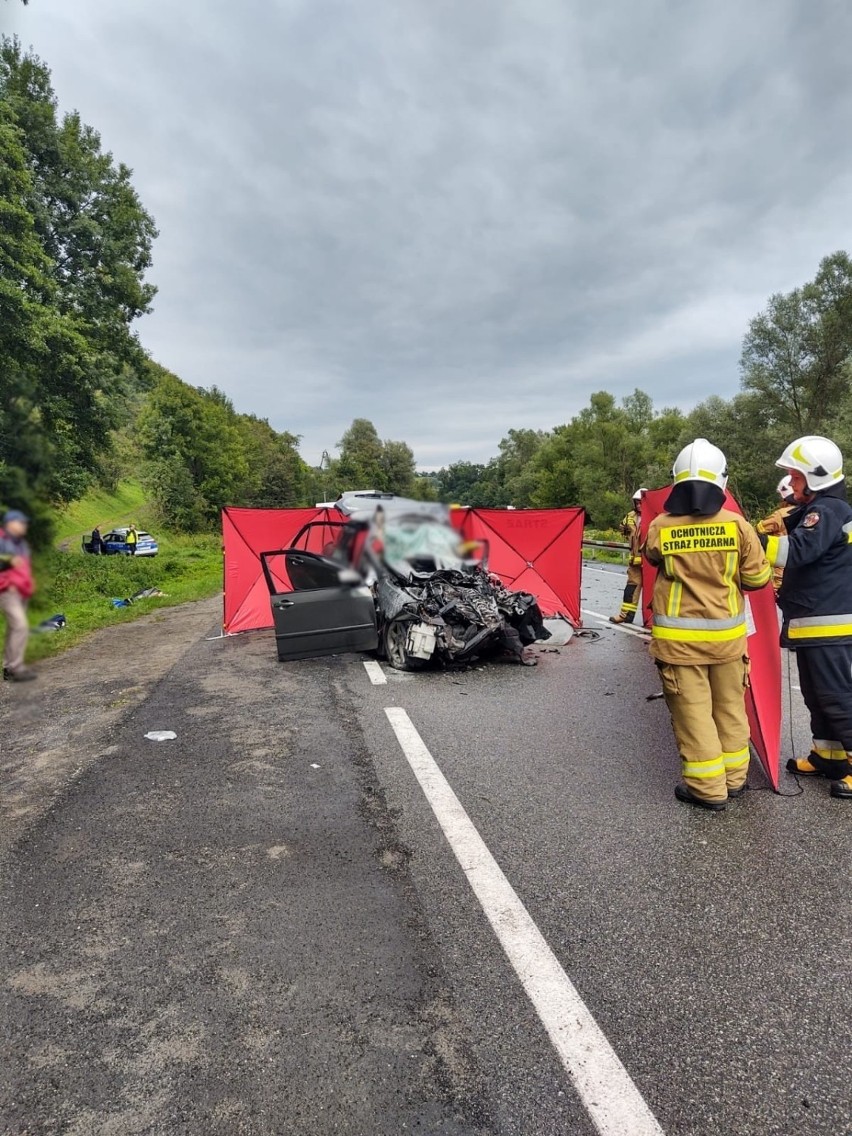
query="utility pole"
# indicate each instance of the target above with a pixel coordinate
(325, 466)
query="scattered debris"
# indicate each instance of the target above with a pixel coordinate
(161, 735)
(55, 623)
(145, 594)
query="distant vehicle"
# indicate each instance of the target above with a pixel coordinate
(115, 544)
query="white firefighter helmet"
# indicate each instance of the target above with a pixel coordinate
(818, 458)
(637, 496)
(784, 489)
(701, 461)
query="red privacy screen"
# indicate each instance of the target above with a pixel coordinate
(248, 532)
(531, 550)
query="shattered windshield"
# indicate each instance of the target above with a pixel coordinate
(422, 545)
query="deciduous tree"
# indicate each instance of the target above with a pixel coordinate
(796, 353)
(77, 243)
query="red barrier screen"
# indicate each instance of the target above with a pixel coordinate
(533, 550)
(763, 700)
(245, 534)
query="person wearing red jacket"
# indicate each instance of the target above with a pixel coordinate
(16, 587)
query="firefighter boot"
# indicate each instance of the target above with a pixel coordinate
(622, 617)
(842, 788)
(819, 763)
(683, 794)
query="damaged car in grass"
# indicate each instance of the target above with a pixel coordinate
(393, 575)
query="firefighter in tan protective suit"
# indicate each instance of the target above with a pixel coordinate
(630, 528)
(706, 557)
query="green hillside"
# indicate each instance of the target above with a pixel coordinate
(126, 505)
(83, 587)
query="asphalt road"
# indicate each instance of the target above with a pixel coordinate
(261, 927)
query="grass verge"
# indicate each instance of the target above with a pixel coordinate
(83, 587)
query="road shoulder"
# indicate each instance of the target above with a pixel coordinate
(57, 727)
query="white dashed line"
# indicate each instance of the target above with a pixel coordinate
(610, 1097)
(628, 630)
(374, 670)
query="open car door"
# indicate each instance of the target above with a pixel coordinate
(319, 607)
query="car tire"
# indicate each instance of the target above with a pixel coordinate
(394, 637)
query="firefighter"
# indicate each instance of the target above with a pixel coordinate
(706, 556)
(773, 525)
(630, 528)
(816, 603)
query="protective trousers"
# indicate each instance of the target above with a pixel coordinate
(825, 679)
(14, 607)
(630, 601)
(707, 707)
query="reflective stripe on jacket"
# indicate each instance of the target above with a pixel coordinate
(816, 555)
(705, 564)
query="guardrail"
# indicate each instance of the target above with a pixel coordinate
(616, 544)
(611, 545)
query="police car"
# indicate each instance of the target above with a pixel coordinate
(115, 543)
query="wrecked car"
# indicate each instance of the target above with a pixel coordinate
(393, 575)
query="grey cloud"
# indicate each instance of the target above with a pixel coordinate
(459, 218)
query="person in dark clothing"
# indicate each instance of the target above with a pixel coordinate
(97, 541)
(815, 598)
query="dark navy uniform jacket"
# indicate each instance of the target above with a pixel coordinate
(816, 555)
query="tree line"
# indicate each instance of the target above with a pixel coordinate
(796, 378)
(81, 403)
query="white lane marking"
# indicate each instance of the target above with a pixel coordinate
(629, 630)
(374, 670)
(610, 1097)
(603, 571)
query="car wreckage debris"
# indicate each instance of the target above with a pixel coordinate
(468, 613)
(394, 574)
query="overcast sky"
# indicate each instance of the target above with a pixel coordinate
(455, 217)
